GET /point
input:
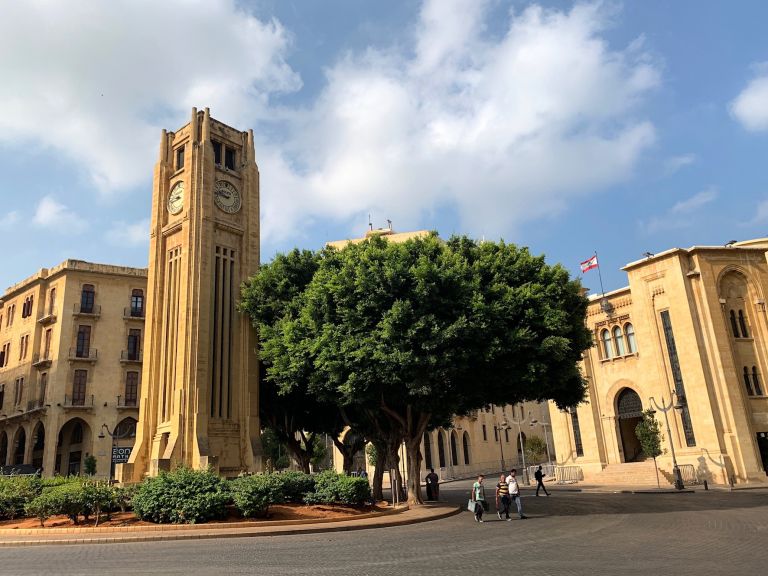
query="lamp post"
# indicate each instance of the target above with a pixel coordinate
(546, 437)
(113, 436)
(519, 423)
(666, 408)
(498, 429)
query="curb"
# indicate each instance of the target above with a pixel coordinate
(208, 531)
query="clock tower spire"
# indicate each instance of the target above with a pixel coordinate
(199, 402)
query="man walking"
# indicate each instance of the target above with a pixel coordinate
(433, 485)
(539, 475)
(502, 498)
(478, 497)
(514, 492)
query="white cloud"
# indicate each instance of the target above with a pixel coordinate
(760, 214)
(682, 214)
(750, 107)
(57, 217)
(503, 130)
(8, 220)
(129, 233)
(675, 163)
(98, 80)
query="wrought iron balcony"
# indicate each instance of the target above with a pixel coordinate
(83, 354)
(131, 356)
(37, 404)
(131, 313)
(93, 311)
(123, 402)
(84, 402)
(42, 361)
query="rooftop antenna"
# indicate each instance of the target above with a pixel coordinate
(370, 224)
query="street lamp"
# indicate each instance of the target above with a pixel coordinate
(114, 436)
(666, 408)
(498, 429)
(546, 436)
(519, 423)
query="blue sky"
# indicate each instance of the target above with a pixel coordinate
(567, 127)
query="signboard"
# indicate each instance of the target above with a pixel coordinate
(120, 454)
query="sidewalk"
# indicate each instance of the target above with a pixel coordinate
(59, 536)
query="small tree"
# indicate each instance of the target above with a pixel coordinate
(535, 449)
(89, 465)
(648, 432)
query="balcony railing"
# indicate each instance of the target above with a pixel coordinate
(41, 361)
(123, 402)
(94, 310)
(35, 404)
(49, 318)
(86, 355)
(131, 356)
(78, 401)
(131, 313)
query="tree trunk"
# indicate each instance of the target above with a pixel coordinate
(393, 464)
(301, 456)
(378, 472)
(413, 457)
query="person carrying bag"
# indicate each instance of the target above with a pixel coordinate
(477, 503)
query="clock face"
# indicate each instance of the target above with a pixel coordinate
(176, 198)
(227, 197)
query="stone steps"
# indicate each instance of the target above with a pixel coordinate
(631, 474)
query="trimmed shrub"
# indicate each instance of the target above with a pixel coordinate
(124, 496)
(254, 494)
(15, 493)
(68, 499)
(294, 485)
(333, 488)
(98, 497)
(183, 496)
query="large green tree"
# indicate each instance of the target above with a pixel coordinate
(413, 333)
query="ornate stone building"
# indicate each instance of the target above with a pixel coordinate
(689, 331)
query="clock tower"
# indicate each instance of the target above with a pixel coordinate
(199, 399)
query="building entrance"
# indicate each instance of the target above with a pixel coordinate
(630, 412)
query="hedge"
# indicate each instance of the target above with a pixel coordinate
(333, 488)
(254, 494)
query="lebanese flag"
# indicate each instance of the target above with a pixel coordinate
(589, 264)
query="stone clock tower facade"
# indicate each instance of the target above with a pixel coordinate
(199, 400)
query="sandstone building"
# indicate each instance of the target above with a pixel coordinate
(690, 330)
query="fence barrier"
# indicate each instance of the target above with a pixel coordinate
(568, 474)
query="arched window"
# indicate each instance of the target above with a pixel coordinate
(441, 448)
(125, 429)
(743, 324)
(427, 451)
(734, 325)
(506, 435)
(605, 336)
(756, 382)
(629, 332)
(747, 383)
(465, 446)
(454, 450)
(619, 338)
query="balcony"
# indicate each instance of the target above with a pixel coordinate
(42, 361)
(131, 313)
(131, 356)
(38, 404)
(78, 402)
(83, 355)
(124, 403)
(93, 311)
(49, 318)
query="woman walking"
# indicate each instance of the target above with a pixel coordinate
(478, 497)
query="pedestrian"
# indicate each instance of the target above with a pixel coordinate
(502, 498)
(433, 485)
(514, 492)
(478, 497)
(539, 475)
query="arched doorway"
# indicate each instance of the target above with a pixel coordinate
(441, 448)
(465, 442)
(629, 409)
(38, 445)
(454, 450)
(19, 446)
(125, 437)
(3, 448)
(74, 444)
(428, 451)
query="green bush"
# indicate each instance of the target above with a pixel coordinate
(15, 493)
(183, 496)
(333, 488)
(98, 497)
(294, 485)
(59, 481)
(254, 494)
(68, 499)
(124, 496)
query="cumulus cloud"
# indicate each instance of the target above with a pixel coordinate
(129, 233)
(682, 214)
(750, 107)
(503, 130)
(98, 80)
(57, 217)
(8, 220)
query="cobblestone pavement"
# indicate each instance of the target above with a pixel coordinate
(568, 533)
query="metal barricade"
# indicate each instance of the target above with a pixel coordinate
(568, 474)
(688, 472)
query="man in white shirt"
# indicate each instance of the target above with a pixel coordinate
(514, 492)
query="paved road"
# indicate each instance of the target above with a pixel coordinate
(569, 533)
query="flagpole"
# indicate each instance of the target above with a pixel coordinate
(600, 274)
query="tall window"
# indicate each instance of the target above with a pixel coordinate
(180, 158)
(87, 299)
(506, 435)
(576, 432)
(485, 433)
(734, 324)
(5, 354)
(229, 158)
(216, 152)
(441, 448)
(78, 387)
(454, 450)
(83, 342)
(47, 344)
(743, 325)
(131, 388)
(605, 336)
(756, 382)
(618, 336)
(137, 303)
(43, 386)
(427, 451)
(747, 383)
(18, 390)
(465, 446)
(134, 343)
(677, 376)
(495, 433)
(629, 332)
(52, 301)
(2, 401)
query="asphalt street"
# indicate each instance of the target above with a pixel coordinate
(568, 533)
